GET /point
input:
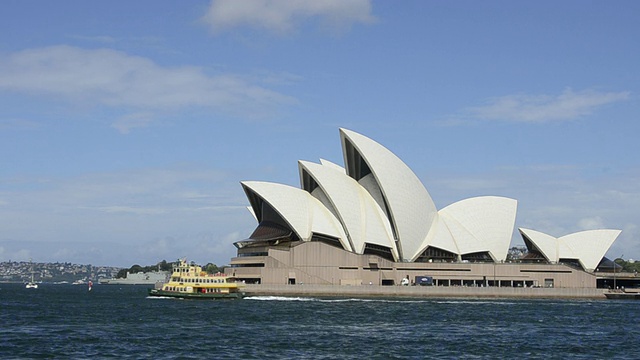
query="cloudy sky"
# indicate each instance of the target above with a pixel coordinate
(126, 126)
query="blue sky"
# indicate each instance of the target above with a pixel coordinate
(126, 127)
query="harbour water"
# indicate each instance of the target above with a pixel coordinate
(111, 321)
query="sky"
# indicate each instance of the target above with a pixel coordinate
(127, 126)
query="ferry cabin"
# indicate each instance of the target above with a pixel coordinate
(191, 279)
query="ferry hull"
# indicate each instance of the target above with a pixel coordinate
(198, 296)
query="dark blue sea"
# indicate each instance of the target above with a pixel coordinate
(68, 322)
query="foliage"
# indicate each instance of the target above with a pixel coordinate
(163, 265)
(212, 268)
(628, 266)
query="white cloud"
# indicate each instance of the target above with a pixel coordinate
(131, 121)
(97, 38)
(115, 79)
(19, 255)
(543, 108)
(281, 16)
(18, 124)
(133, 210)
(591, 223)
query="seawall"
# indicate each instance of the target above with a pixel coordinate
(422, 291)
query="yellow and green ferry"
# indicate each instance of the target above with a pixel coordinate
(188, 281)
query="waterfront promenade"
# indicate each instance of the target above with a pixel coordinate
(422, 291)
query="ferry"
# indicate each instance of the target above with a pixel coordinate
(190, 282)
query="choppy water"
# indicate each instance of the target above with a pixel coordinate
(66, 321)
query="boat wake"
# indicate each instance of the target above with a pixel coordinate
(279, 298)
(159, 297)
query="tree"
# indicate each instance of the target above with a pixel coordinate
(162, 266)
(628, 266)
(122, 273)
(211, 268)
(165, 266)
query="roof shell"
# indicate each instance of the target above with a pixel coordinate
(304, 213)
(546, 244)
(482, 224)
(588, 247)
(411, 209)
(363, 219)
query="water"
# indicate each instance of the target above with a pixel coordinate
(66, 321)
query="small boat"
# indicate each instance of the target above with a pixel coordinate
(623, 294)
(190, 282)
(31, 284)
(90, 283)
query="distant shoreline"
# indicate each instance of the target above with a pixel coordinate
(423, 291)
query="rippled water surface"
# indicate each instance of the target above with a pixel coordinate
(66, 321)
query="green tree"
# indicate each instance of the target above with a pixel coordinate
(211, 268)
(165, 266)
(122, 273)
(628, 266)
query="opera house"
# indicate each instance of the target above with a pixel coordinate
(374, 222)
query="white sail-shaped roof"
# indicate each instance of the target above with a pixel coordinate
(333, 165)
(482, 224)
(303, 213)
(440, 236)
(588, 247)
(546, 244)
(409, 206)
(362, 218)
